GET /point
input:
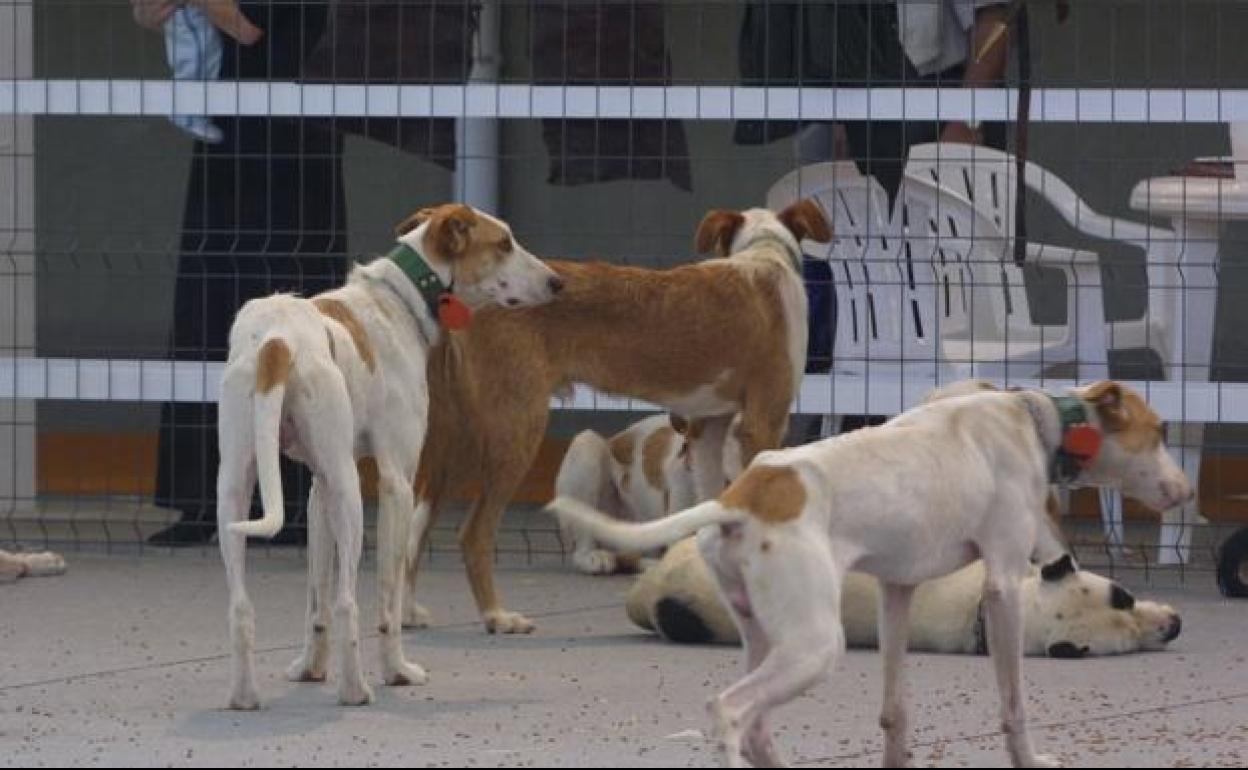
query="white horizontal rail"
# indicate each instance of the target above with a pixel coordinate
(705, 102)
(83, 379)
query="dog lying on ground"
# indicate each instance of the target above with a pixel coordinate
(1069, 612)
(917, 498)
(706, 341)
(642, 473)
(19, 565)
(336, 378)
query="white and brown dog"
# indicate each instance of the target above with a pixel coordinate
(707, 341)
(915, 499)
(336, 378)
(14, 566)
(1068, 612)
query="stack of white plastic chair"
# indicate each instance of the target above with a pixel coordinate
(987, 178)
(926, 292)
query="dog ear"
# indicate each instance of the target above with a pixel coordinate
(1121, 599)
(717, 230)
(1058, 570)
(412, 222)
(449, 226)
(1106, 396)
(806, 221)
(1068, 650)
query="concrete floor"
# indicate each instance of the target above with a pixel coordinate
(123, 663)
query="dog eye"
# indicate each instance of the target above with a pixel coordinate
(505, 245)
(1121, 599)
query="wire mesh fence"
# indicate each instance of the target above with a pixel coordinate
(161, 163)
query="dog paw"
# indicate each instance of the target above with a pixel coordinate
(357, 694)
(303, 671)
(43, 564)
(406, 675)
(503, 622)
(245, 700)
(596, 562)
(416, 616)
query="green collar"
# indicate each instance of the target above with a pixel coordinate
(1071, 412)
(420, 274)
(795, 259)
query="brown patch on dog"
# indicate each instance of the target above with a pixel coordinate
(806, 221)
(338, 311)
(773, 494)
(1126, 416)
(679, 424)
(621, 446)
(716, 231)
(273, 365)
(653, 454)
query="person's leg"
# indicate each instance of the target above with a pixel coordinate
(265, 212)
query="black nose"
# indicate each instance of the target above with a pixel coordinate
(1172, 633)
(556, 285)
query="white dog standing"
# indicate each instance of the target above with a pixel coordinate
(915, 499)
(336, 378)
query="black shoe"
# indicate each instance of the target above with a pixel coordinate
(186, 533)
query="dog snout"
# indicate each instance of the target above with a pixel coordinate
(1177, 491)
(1173, 629)
(556, 284)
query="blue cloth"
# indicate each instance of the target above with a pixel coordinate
(193, 50)
(821, 296)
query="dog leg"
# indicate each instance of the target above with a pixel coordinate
(235, 482)
(894, 639)
(415, 615)
(346, 516)
(706, 450)
(759, 747)
(313, 664)
(477, 542)
(393, 538)
(1002, 597)
(793, 647)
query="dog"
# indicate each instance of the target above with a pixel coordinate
(642, 473)
(934, 489)
(1071, 613)
(706, 341)
(14, 566)
(332, 379)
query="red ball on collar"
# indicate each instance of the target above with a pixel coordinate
(1083, 442)
(453, 313)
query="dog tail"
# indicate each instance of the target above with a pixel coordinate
(274, 363)
(629, 536)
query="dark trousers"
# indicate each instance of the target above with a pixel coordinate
(264, 213)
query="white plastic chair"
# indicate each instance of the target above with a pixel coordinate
(987, 177)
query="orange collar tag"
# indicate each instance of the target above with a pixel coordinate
(453, 313)
(1083, 442)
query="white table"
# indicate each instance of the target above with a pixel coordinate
(1187, 306)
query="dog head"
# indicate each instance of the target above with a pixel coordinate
(1079, 613)
(723, 232)
(1133, 455)
(486, 264)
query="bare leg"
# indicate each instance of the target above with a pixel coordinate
(894, 639)
(313, 664)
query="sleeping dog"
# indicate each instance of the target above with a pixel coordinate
(20, 565)
(1069, 612)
